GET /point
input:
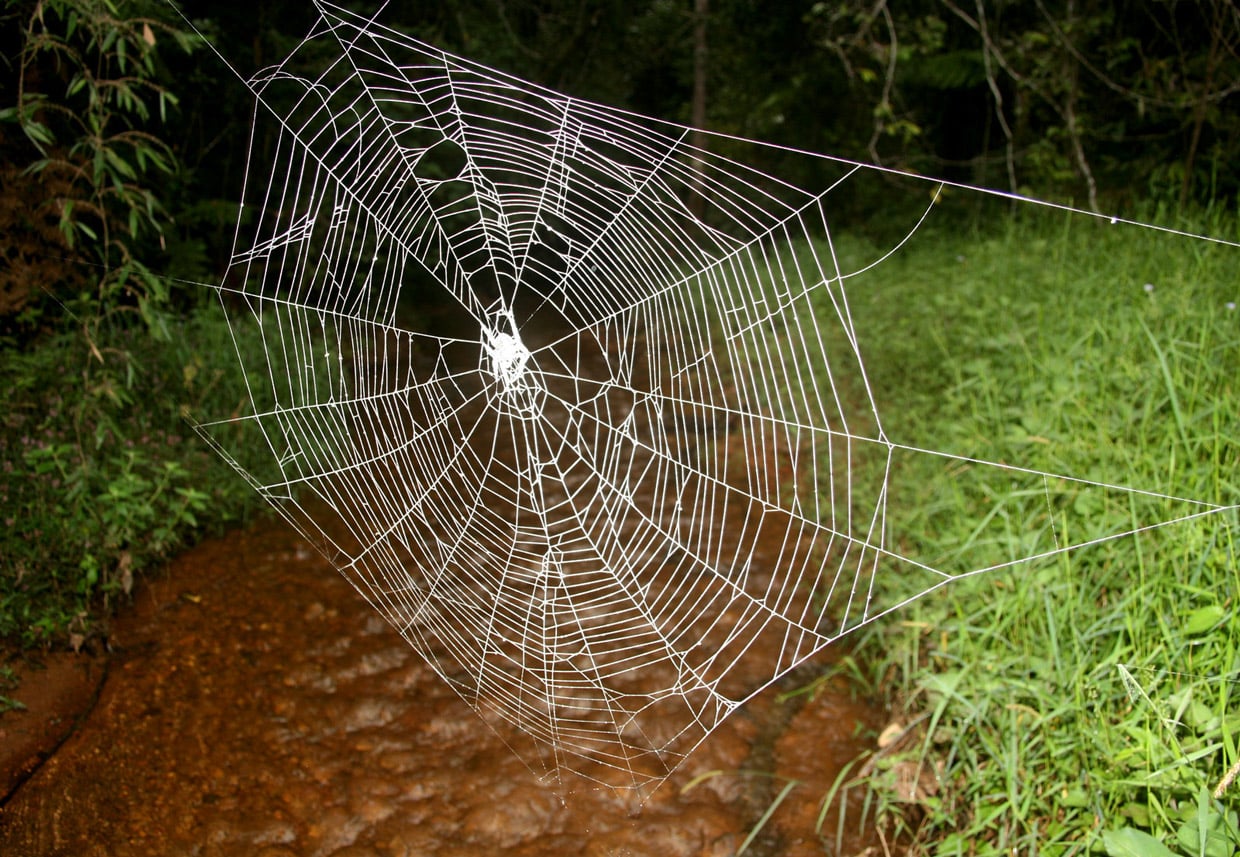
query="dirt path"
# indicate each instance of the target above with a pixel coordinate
(258, 706)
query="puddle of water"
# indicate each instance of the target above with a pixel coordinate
(259, 706)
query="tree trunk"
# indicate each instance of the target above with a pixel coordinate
(697, 201)
(1201, 104)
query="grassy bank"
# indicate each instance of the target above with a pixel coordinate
(101, 475)
(1085, 702)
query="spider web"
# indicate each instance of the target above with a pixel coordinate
(622, 467)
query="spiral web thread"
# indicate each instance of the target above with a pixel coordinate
(615, 487)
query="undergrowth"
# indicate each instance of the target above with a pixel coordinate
(1084, 703)
(101, 474)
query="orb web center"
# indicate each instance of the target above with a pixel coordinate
(508, 358)
(519, 390)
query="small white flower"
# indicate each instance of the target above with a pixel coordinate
(1231, 306)
(1149, 288)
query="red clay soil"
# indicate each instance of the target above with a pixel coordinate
(255, 705)
(58, 690)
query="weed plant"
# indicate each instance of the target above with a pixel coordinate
(101, 474)
(1085, 703)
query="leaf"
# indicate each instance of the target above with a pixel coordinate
(1076, 798)
(1130, 842)
(1208, 833)
(944, 683)
(1203, 619)
(1138, 813)
(39, 134)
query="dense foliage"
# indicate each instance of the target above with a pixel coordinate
(88, 107)
(101, 477)
(97, 479)
(1085, 99)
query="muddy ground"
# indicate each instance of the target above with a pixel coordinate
(253, 703)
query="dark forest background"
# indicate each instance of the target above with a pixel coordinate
(124, 138)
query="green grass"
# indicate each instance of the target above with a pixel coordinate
(1085, 703)
(101, 475)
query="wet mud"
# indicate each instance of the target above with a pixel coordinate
(55, 692)
(256, 705)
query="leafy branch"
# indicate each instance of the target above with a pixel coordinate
(94, 150)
